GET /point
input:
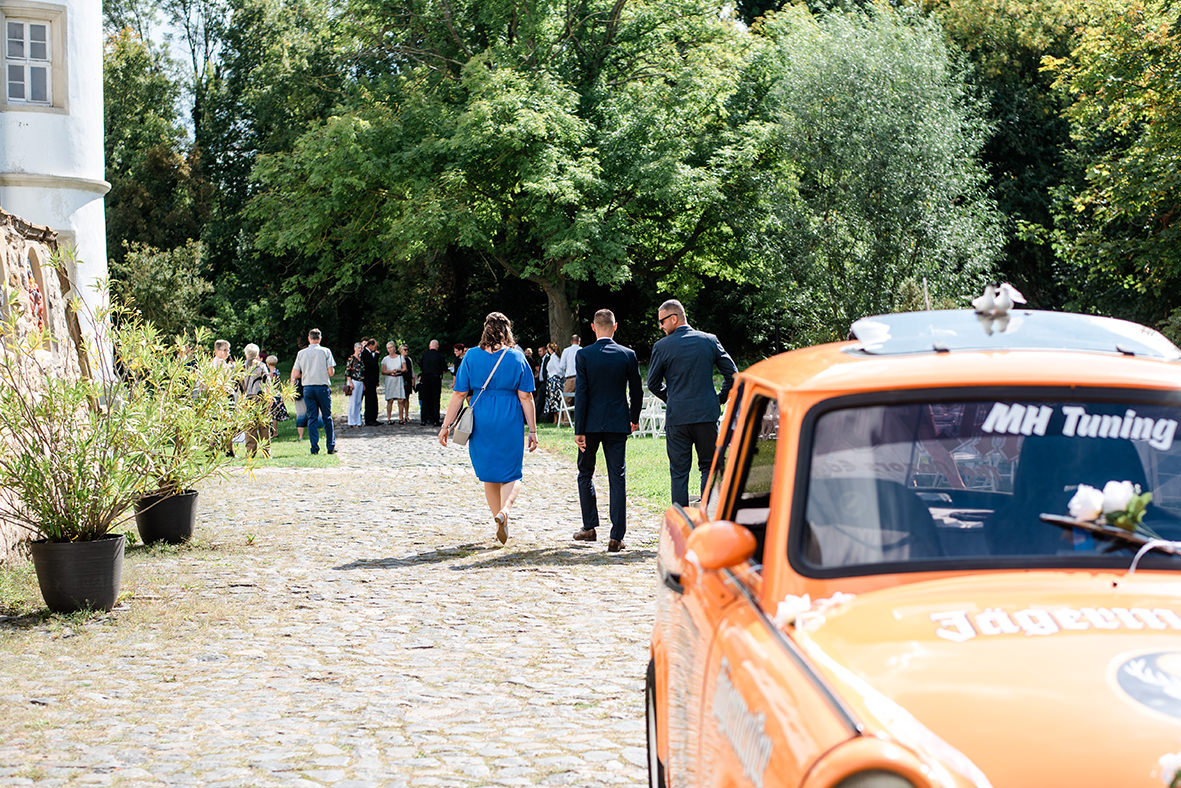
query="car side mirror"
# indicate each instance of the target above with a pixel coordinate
(719, 545)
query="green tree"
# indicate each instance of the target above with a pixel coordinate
(1118, 225)
(158, 195)
(164, 285)
(279, 72)
(556, 143)
(1005, 41)
(886, 141)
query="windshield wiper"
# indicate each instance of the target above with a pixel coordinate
(1146, 539)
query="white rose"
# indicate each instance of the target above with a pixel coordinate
(1117, 496)
(1169, 766)
(1087, 503)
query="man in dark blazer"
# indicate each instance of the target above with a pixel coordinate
(369, 357)
(430, 384)
(681, 372)
(608, 395)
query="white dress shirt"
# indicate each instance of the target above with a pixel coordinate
(566, 362)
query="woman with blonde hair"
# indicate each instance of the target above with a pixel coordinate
(497, 378)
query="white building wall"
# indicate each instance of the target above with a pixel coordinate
(51, 157)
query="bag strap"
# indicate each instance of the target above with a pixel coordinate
(490, 374)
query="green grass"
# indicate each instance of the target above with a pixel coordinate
(19, 593)
(288, 451)
(647, 464)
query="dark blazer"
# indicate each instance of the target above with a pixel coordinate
(432, 364)
(369, 364)
(608, 378)
(681, 372)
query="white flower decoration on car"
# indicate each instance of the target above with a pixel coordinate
(1170, 768)
(1119, 504)
(1087, 503)
(790, 608)
(1117, 496)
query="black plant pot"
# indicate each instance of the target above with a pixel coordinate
(166, 518)
(79, 575)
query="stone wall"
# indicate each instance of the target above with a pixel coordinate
(41, 292)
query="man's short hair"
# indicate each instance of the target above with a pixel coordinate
(314, 334)
(458, 346)
(272, 360)
(221, 344)
(575, 339)
(674, 306)
(604, 318)
(434, 344)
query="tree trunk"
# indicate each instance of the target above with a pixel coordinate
(561, 317)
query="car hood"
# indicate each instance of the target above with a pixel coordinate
(1039, 678)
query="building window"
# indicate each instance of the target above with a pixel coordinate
(28, 60)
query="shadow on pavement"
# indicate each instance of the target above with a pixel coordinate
(413, 429)
(429, 557)
(12, 620)
(560, 556)
(554, 556)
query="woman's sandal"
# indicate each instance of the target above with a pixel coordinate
(501, 527)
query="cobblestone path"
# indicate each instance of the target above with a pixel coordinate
(372, 633)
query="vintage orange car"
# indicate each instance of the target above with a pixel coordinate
(906, 570)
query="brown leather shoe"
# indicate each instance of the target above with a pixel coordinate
(586, 535)
(614, 545)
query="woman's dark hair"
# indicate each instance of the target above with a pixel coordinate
(498, 330)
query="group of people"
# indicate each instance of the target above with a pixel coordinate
(500, 383)
(312, 375)
(257, 370)
(553, 376)
(398, 381)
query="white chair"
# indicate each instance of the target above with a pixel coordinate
(651, 418)
(566, 408)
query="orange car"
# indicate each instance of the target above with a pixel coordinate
(944, 553)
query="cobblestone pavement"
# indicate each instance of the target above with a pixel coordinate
(372, 633)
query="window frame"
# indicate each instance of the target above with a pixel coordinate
(752, 413)
(715, 494)
(27, 63)
(55, 18)
(795, 536)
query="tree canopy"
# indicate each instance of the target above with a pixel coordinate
(783, 168)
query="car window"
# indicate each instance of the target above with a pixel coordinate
(927, 482)
(751, 505)
(715, 484)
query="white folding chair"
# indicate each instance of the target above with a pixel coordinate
(651, 418)
(566, 408)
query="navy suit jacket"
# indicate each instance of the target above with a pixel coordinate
(608, 377)
(681, 372)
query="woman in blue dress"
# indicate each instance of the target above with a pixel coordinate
(500, 410)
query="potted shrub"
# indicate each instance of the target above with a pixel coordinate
(190, 415)
(69, 465)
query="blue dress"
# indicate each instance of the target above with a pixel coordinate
(497, 443)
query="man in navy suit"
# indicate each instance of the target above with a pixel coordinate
(608, 378)
(681, 372)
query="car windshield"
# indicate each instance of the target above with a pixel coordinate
(930, 483)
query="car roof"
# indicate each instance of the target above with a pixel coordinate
(944, 348)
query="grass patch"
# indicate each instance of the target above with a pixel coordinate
(647, 464)
(19, 594)
(159, 578)
(288, 451)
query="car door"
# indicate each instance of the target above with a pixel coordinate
(682, 624)
(764, 715)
